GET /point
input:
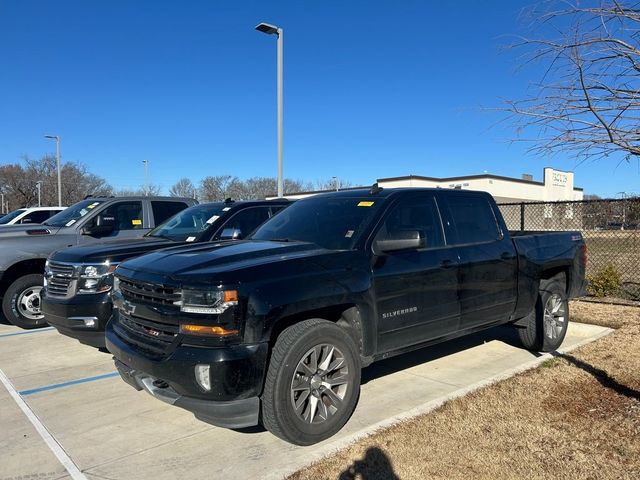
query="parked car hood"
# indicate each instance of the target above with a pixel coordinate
(37, 230)
(233, 262)
(114, 251)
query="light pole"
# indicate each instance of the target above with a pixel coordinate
(57, 139)
(39, 187)
(336, 183)
(2, 202)
(146, 177)
(279, 32)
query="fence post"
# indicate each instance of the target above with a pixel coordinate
(522, 216)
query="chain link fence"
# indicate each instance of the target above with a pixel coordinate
(611, 229)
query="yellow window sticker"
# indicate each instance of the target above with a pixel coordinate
(136, 221)
(366, 204)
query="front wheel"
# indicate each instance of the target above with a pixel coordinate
(544, 329)
(21, 302)
(312, 383)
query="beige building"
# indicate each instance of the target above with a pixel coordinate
(556, 185)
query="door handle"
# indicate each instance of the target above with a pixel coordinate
(507, 256)
(447, 264)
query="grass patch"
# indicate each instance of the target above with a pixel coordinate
(578, 416)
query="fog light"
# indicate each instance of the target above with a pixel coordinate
(89, 322)
(202, 376)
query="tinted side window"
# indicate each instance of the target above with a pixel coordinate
(246, 221)
(164, 210)
(128, 215)
(473, 218)
(415, 214)
(36, 217)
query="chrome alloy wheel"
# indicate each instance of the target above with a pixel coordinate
(28, 303)
(555, 316)
(320, 383)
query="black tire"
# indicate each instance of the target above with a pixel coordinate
(298, 343)
(544, 329)
(21, 302)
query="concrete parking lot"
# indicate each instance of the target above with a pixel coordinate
(66, 414)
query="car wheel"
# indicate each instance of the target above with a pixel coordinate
(312, 383)
(545, 327)
(21, 302)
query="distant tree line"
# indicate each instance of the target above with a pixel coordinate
(220, 187)
(18, 184)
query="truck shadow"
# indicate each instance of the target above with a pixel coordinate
(600, 375)
(382, 368)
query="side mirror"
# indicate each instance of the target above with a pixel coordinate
(401, 240)
(102, 225)
(231, 234)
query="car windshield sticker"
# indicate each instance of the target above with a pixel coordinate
(213, 219)
(366, 204)
(349, 234)
(190, 239)
(226, 209)
(136, 221)
(69, 223)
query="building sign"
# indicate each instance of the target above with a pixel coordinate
(559, 179)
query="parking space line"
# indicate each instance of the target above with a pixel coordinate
(13, 334)
(48, 438)
(31, 391)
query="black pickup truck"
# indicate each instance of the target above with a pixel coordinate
(76, 297)
(276, 329)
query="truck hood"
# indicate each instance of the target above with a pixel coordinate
(8, 231)
(115, 251)
(234, 262)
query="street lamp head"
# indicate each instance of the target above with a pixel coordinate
(267, 28)
(53, 137)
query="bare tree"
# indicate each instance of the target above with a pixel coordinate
(182, 188)
(215, 188)
(588, 101)
(152, 190)
(20, 182)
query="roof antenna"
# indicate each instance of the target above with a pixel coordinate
(375, 189)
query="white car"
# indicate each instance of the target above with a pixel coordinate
(33, 215)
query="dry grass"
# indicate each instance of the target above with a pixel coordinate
(577, 416)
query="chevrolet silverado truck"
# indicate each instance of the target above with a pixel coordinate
(24, 248)
(76, 298)
(275, 329)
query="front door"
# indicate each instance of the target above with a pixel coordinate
(416, 290)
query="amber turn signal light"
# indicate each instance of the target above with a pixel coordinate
(207, 330)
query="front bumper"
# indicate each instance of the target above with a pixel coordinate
(82, 317)
(237, 375)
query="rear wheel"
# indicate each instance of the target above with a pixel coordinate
(21, 302)
(544, 329)
(312, 383)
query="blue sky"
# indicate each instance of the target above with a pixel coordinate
(372, 89)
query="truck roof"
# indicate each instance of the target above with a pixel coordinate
(379, 192)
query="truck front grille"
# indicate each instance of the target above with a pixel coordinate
(59, 279)
(154, 336)
(148, 292)
(149, 336)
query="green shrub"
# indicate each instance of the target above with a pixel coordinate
(605, 282)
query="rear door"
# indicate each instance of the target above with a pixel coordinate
(488, 261)
(416, 290)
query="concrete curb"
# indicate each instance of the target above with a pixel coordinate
(318, 453)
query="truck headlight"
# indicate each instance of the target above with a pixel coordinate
(96, 278)
(211, 302)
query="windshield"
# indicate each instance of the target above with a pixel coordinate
(190, 225)
(10, 216)
(332, 223)
(71, 215)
